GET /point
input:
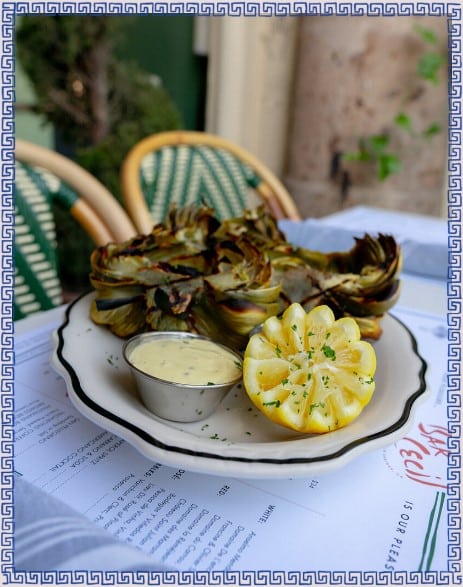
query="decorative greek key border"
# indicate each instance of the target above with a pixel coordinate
(453, 12)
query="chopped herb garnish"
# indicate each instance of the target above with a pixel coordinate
(329, 352)
(294, 327)
(275, 403)
(316, 405)
(278, 351)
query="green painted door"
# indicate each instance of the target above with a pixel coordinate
(163, 45)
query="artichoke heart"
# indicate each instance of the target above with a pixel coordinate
(223, 280)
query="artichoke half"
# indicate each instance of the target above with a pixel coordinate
(223, 280)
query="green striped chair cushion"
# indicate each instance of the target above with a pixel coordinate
(186, 174)
(37, 284)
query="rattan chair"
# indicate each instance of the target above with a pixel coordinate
(186, 167)
(43, 178)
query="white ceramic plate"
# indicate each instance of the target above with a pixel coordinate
(237, 440)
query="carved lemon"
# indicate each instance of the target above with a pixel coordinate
(308, 371)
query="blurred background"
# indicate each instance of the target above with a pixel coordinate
(345, 110)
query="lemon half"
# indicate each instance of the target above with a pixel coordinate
(308, 371)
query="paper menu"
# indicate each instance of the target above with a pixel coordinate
(385, 510)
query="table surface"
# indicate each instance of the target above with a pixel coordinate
(383, 511)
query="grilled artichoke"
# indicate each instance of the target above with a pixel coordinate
(224, 279)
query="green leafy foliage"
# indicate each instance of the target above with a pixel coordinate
(403, 121)
(100, 105)
(373, 149)
(426, 34)
(432, 130)
(151, 112)
(429, 67)
(388, 163)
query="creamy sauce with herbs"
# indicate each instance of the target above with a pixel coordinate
(192, 361)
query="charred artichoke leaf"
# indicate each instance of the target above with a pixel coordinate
(242, 315)
(344, 276)
(162, 273)
(242, 254)
(207, 320)
(258, 295)
(369, 327)
(367, 251)
(191, 225)
(172, 301)
(362, 305)
(100, 260)
(258, 226)
(162, 321)
(113, 297)
(241, 310)
(124, 321)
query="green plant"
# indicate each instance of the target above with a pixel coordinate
(100, 107)
(375, 149)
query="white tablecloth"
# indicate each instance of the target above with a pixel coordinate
(423, 238)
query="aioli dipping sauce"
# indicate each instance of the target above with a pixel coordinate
(181, 376)
(191, 361)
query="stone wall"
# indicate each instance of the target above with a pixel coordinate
(353, 75)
